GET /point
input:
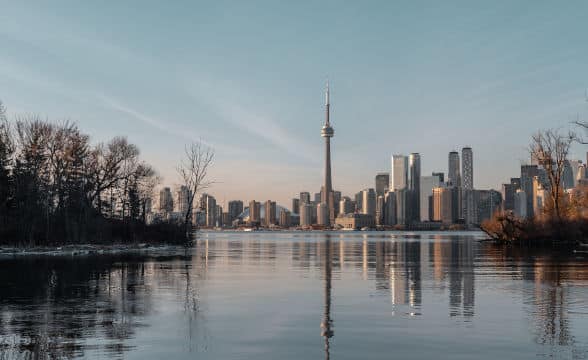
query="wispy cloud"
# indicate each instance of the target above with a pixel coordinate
(223, 101)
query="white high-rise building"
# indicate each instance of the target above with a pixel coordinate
(368, 202)
(399, 174)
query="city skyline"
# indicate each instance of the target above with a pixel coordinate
(482, 77)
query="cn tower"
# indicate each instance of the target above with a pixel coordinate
(328, 132)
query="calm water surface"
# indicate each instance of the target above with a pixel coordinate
(350, 295)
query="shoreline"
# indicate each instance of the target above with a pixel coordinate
(145, 248)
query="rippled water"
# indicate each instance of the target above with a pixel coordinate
(350, 295)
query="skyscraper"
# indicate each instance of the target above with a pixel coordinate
(443, 204)
(508, 197)
(346, 206)
(390, 208)
(235, 209)
(270, 213)
(427, 185)
(414, 187)
(305, 197)
(182, 199)
(211, 210)
(296, 206)
(399, 172)
(382, 183)
(368, 202)
(453, 176)
(487, 202)
(322, 214)
(328, 132)
(467, 168)
(254, 212)
(166, 201)
(380, 204)
(306, 210)
(528, 172)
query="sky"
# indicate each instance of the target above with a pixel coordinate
(248, 78)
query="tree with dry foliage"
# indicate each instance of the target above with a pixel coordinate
(193, 171)
(551, 149)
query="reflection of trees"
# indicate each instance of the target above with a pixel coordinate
(548, 298)
(50, 305)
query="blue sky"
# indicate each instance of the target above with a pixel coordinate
(248, 78)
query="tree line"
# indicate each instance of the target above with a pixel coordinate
(56, 186)
(562, 219)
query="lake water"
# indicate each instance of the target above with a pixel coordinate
(299, 295)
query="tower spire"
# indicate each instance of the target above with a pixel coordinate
(327, 104)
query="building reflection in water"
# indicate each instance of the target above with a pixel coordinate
(50, 312)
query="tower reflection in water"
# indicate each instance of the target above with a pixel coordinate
(327, 323)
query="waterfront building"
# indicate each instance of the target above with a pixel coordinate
(235, 209)
(346, 206)
(226, 219)
(468, 198)
(453, 173)
(508, 197)
(568, 178)
(538, 196)
(380, 210)
(426, 188)
(520, 204)
(368, 202)
(414, 187)
(467, 168)
(401, 195)
(211, 210)
(296, 206)
(399, 172)
(355, 221)
(382, 183)
(488, 202)
(182, 199)
(358, 201)
(166, 201)
(306, 211)
(254, 212)
(444, 209)
(304, 197)
(285, 218)
(336, 201)
(528, 172)
(270, 213)
(317, 196)
(322, 210)
(390, 208)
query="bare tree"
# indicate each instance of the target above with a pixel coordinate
(193, 171)
(551, 149)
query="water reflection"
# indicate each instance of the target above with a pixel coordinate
(327, 323)
(65, 307)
